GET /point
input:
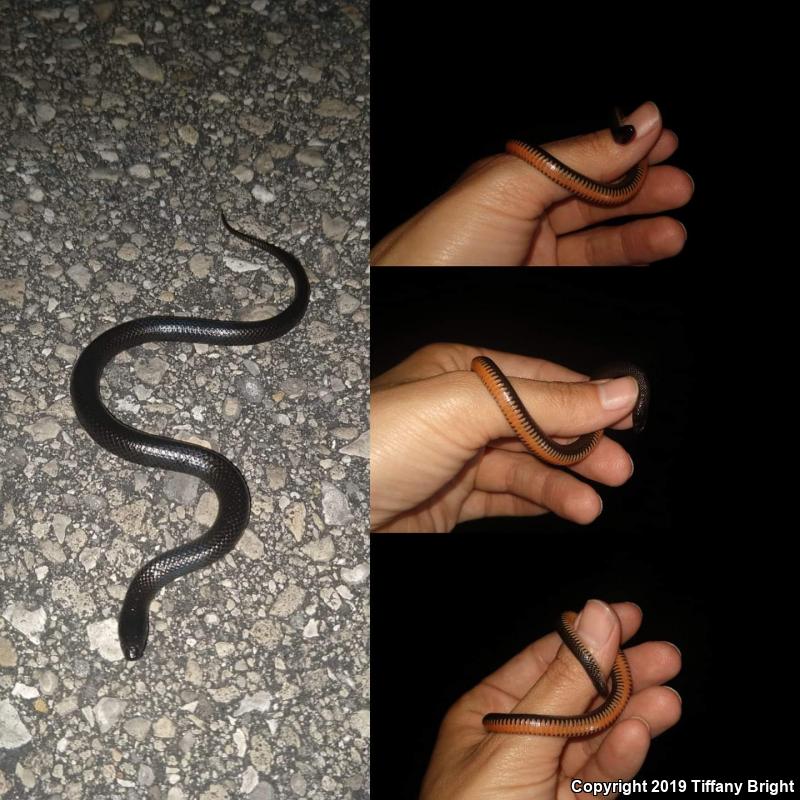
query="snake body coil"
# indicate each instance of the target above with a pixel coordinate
(601, 194)
(528, 431)
(157, 451)
(600, 719)
(595, 192)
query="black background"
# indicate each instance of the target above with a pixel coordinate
(702, 537)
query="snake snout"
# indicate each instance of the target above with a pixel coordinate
(132, 652)
(133, 629)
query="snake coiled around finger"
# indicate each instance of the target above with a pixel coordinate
(528, 431)
(596, 192)
(595, 721)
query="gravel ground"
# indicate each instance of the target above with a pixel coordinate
(124, 128)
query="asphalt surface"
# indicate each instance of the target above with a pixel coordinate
(124, 129)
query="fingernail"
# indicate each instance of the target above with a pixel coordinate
(672, 644)
(644, 119)
(596, 624)
(685, 232)
(642, 719)
(675, 692)
(619, 393)
(633, 467)
(631, 603)
(691, 179)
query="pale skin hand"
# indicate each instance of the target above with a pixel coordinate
(470, 764)
(442, 452)
(504, 212)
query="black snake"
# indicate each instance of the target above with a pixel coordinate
(158, 451)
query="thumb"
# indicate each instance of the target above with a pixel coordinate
(565, 689)
(560, 409)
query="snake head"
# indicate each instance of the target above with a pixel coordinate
(133, 652)
(134, 628)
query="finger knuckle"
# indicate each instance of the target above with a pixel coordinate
(444, 354)
(552, 491)
(514, 476)
(570, 401)
(595, 146)
(563, 668)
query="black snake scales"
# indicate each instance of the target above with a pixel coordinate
(158, 451)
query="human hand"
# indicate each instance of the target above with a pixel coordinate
(544, 678)
(441, 450)
(504, 212)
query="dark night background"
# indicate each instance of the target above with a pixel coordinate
(702, 536)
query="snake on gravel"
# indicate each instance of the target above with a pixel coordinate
(134, 445)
